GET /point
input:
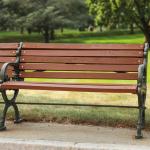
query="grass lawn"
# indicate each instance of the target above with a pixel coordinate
(79, 115)
(72, 36)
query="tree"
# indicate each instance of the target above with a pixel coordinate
(116, 11)
(6, 19)
(43, 15)
(48, 15)
(46, 18)
(20, 9)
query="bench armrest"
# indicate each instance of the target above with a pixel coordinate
(3, 74)
(142, 81)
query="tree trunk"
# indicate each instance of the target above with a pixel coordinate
(101, 28)
(147, 37)
(52, 34)
(29, 30)
(146, 31)
(62, 30)
(131, 28)
(46, 35)
(22, 30)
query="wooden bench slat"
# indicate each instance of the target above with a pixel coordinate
(81, 53)
(7, 46)
(7, 53)
(70, 87)
(70, 75)
(7, 59)
(138, 47)
(84, 60)
(78, 67)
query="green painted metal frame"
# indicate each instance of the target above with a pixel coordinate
(141, 93)
(12, 101)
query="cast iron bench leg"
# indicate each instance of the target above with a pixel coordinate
(9, 103)
(141, 119)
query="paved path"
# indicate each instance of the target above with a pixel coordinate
(47, 136)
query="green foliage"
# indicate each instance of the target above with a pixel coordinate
(6, 19)
(43, 15)
(115, 12)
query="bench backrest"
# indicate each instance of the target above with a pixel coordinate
(8, 54)
(81, 61)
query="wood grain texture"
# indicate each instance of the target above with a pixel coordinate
(7, 53)
(70, 75)
(7, 59)
(9, 46)
(136, 47)
(83, 60)
(70, 87)
(78, 67)
(83, 53)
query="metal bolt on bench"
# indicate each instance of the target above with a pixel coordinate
(74, 61)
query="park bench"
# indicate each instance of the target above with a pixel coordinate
(75, 61)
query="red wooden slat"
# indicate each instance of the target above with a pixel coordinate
(7, 59)
(70, 75)
(79, 67)
(70, 87)
(81, 53)
(84, 60)
(8, 46)
(7, 53)
(139, 47)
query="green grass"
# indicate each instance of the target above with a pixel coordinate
(72, 36)
(80, 115)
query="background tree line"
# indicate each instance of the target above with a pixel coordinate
(115, 13)
(45, 16)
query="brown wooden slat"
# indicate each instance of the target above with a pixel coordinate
(79, 67)
(61, 46)
(7, 53)
(84, 60)
(70, 75)
(8, 46)
(70, 87)
(7, 59)
(76, 83)
(81, 53)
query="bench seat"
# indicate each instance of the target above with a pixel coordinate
(113, 88)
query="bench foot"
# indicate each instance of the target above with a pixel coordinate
(9, 103)
(139, 137)
(18, 121)
(141, 118)
(17, 115)
(139, 134)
